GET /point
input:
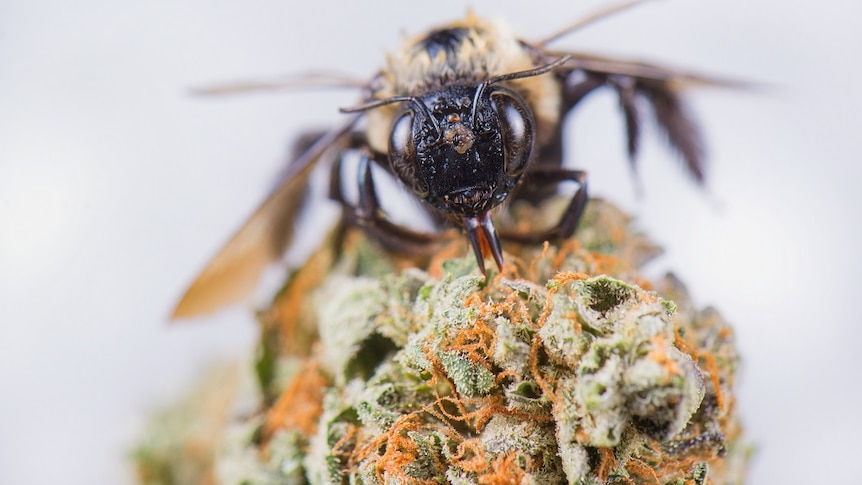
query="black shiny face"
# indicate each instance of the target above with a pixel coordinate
(464, 148)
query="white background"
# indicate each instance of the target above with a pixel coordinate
(116, 186)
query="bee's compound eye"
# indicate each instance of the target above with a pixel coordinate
(401, 136)
(516, 126)
(402, 154)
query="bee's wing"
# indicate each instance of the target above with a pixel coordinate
(233, 273)
(303, 80)
(659, 86)
(646, 71)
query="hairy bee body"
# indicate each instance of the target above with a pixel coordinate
(466, 116)
(464, 52)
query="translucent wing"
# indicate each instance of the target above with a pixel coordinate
(633, 82)
(304, 80)
(234, 272)
(645, 71)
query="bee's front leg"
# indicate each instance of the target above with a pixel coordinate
(368, 214)
(550, 176)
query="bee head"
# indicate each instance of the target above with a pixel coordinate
(462, 149)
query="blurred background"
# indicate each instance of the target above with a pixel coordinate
(117, 185)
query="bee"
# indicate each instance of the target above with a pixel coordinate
(467, 116)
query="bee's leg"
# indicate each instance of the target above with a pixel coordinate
(368, 215)
(571, 217)
(576, 86)
(636, 86)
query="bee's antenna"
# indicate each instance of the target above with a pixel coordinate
(530, 72)
(515, 75)
(594, 17)
(377, 103)
(380, 102)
